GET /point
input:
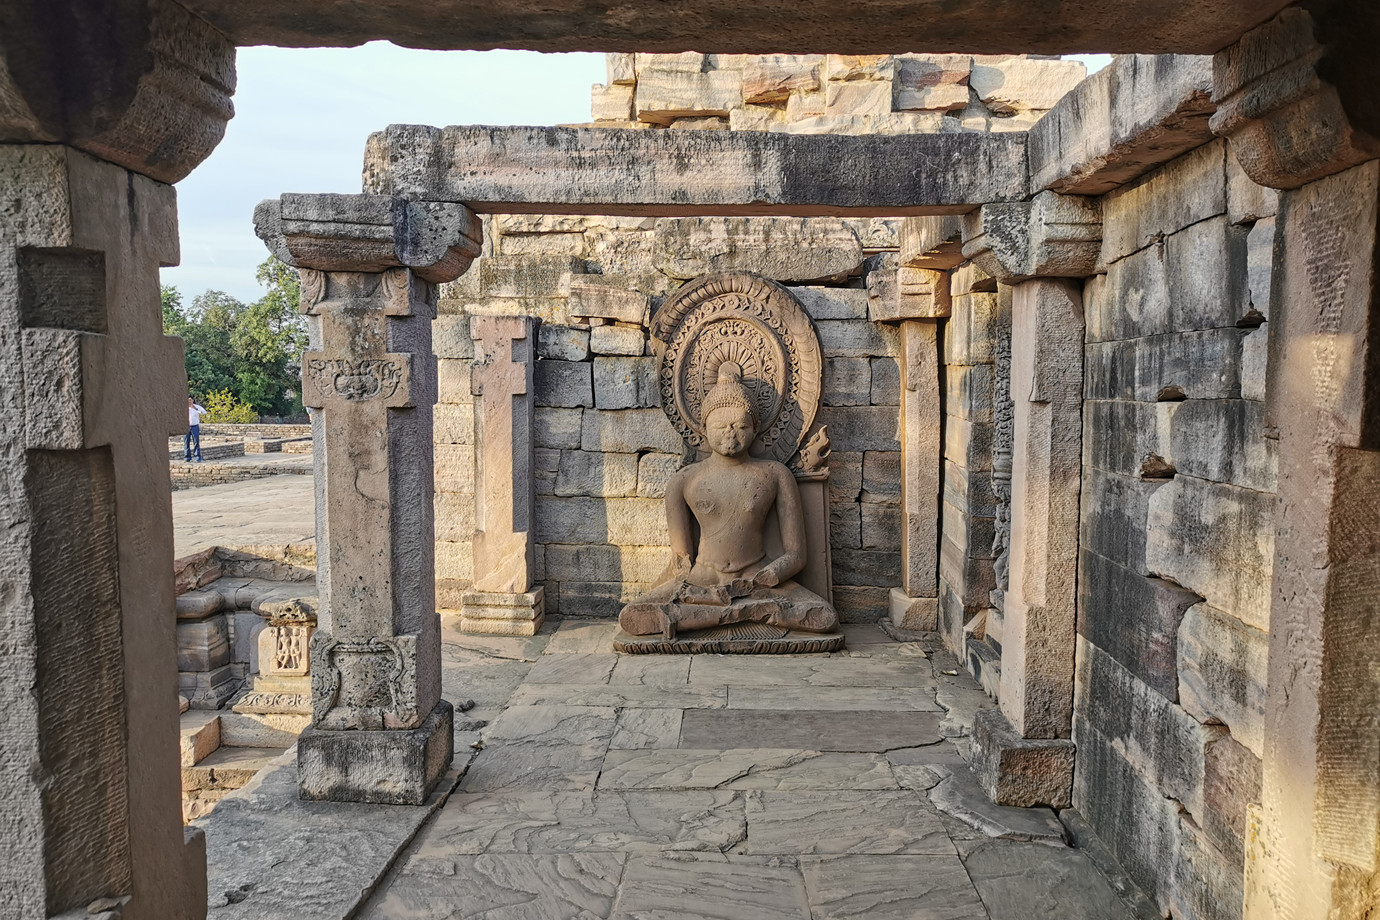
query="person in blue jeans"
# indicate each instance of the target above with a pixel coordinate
(193, 439)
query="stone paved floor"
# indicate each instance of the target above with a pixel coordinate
(658, 787)
(276, 509)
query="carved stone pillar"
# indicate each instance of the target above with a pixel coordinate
(380, 730)
(1296, 103)
(101, 108)
(1021, 753)
(503, 599)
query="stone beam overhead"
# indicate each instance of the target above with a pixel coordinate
(771, 26)
(678, 173)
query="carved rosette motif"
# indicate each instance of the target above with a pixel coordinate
(370, 378)
(758, 324)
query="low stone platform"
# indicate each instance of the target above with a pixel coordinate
(734, 639)
(616, 786)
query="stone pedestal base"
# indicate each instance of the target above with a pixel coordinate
(503, 614)
(916, 613)
(1020, 771)
(382, 767)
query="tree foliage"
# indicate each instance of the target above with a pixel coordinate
(250, 351)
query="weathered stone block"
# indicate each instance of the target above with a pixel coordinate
(832, 303)
(1231, 782)
(1223, 665)
(844, 338)
(876, 568)
(557, 428)
(626, 383)
(971, 391)
(845, 476)
(1019, 772)
(602, 563)
(970, 337)
(454, 464)
(973, 533)
(564, 384)
(886, 382)
(593, 298)
(1129, 438)
(629, 431)
(599, 475)
(611, 102)
(453, 382)
(857, 98)
(1162, 741)
(1246, 201)
(931, 82)
(1020, 84)
(880, 525)
(663, 96)
(861, 603)
(786, 249)
(858, 428)
(968, 443)
(774, 77)
(845, 525)
(621, 68)
(1114, 510)
(528, 277)
(1223, 440)
(654, 472)
(882, 477)
(450, 338)
(597, 598)
(678, 62)
(1260, 266)
(203, 645)
(861, 67)
(1206, 884)
(916, 613)
(454, 561)
(503, 614)
(1133, 618)
(847, 381)
(1178, 194)
(969, 577)
(620, 521)
(617, 340)
(454, 516)
(933, 243)
(1216, 540)
(562, 343)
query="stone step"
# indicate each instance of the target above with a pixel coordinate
(254, 730)
(227, 768)
(984, 662)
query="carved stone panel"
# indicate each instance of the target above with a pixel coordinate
(757, 324)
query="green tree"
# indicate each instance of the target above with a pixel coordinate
(173, 317)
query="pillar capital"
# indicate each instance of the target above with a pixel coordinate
(370, 233)
(899, 294)
(1049, 236)
(1295, 95)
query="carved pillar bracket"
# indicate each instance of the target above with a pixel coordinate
(380, 730)
(1050, 236)
(1295, 96)
(503, 599)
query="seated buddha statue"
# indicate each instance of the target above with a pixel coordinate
(728, 576)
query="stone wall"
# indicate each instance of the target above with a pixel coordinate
(604, 449)
(1177, 529)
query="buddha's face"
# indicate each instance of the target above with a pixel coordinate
(729, 431)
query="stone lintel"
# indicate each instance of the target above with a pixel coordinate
(370, 233)
(1295, 95)
(380, 767)
(503, 614)
(934, 242)
(1018, 771)
(1138, 112)
(1050, 236)
(724, 26)
(688, 173)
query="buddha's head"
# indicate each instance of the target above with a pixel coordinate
(730, 417)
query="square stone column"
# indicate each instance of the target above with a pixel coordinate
(90, 389)
(1022, 754)
(503, 599)
(380, 731)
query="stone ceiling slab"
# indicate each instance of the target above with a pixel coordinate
(768, 26)
(687, 173)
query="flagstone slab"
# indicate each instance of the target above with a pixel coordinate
(639, 729)
(517, 648)
(501, 887)
(567, 821)
(744, 769)
(633, 695)
(891, 888)
(582, 636)
(1019, 881)
(652, 670)
(574, 668)
(803, 671)
(708, 888)
(957, 793)
(843, 821)
(536, 747)
(834, 699)
(867, 730)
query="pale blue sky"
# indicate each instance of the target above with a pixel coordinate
(303, 116)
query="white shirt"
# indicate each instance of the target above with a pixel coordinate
(194, 414)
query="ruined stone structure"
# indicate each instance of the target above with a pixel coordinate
(1168, 589)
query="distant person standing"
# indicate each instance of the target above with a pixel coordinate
(193, 440)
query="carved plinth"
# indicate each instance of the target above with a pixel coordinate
(734, 639)
(383, 767)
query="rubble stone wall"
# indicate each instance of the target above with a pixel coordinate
(1177, 535)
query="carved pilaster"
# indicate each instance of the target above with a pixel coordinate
(380, 731)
